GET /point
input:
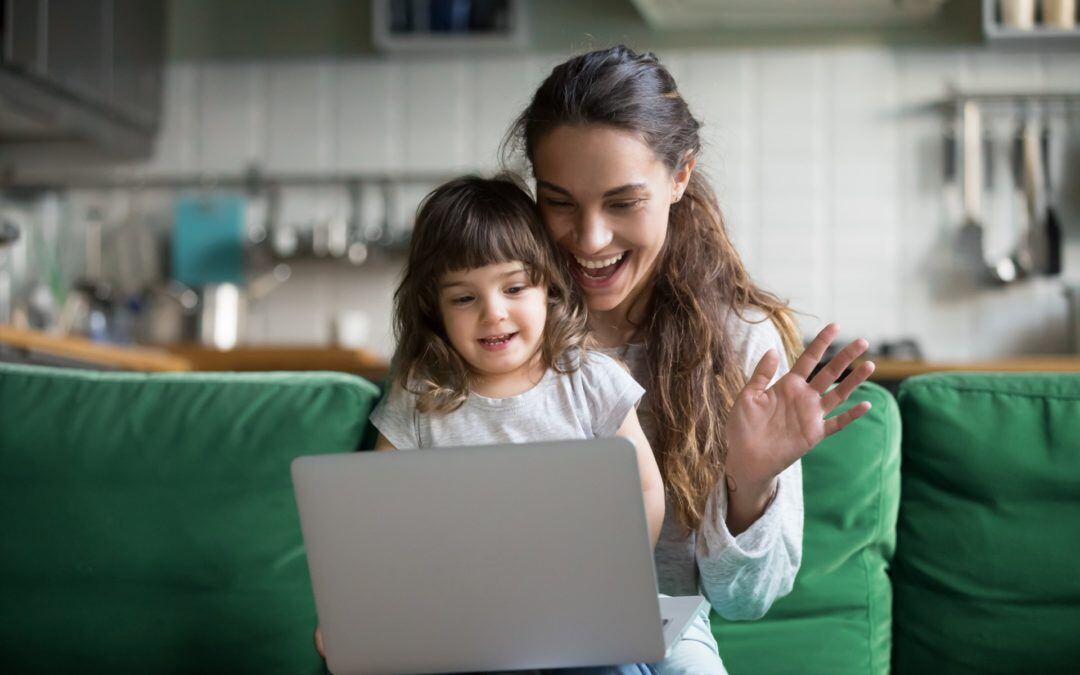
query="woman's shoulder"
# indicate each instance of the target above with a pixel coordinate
(753, 333)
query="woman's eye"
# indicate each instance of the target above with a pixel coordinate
(558, 203)
(626, 205)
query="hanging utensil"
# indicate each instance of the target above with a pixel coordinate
(1052, 224)
(1031, 246)
(970, 237)
(999, 220)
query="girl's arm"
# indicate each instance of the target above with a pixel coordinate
(383, 444)
(652, 486)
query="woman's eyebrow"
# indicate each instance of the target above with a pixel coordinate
(629, 187)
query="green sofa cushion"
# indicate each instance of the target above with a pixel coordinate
(987, 578)
(148, 521)
(837, 619)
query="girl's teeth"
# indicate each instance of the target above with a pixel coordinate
(598, 264)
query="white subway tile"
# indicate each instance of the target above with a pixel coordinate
(232, 116)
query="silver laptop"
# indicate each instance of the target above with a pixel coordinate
(484, 558)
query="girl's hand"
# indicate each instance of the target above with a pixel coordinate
(771, 427)
(318, 643)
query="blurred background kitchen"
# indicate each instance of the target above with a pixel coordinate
(230, 184)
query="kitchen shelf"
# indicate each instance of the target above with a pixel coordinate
(1038, 36)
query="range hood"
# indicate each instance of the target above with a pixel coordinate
(682, 14)
(80, 75)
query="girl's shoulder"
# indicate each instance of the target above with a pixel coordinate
(600, 372)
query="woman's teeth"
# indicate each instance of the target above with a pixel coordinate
(600, 268)
(598, 264)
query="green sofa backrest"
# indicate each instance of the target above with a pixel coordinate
(987, 568)
(148, 521)
(837, 619)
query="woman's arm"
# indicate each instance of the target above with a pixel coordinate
(652, 486)
(383, 444)
(750, 544)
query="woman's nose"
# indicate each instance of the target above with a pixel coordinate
(592, 234)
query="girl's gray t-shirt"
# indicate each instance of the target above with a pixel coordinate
(590, 402)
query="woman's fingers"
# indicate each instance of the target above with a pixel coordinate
(840, 392)
(838, 364)
(805, 364)
(834, 424)
(763, 373)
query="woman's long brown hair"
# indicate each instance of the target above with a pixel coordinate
(468, 223)
(692, 376)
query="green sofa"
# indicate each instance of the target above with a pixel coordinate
(149, 527)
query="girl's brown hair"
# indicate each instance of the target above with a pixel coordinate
(692, 377)
(468, 223)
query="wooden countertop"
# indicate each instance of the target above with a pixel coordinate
(187, 357)
(283, 357)
(80, 349)
(891, 370)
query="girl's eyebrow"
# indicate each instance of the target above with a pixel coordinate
(629, 187)
(456, 282)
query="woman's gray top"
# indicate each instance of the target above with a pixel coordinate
(741, 576)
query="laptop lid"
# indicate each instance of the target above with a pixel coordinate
(480, 558)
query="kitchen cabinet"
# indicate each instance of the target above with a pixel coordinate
(83, 71)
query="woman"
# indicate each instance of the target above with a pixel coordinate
(613, 148)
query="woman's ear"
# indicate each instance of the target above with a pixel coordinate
(681, 177)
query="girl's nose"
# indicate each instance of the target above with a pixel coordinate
(493, 312)
(592, 233)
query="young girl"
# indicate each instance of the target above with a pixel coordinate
(492, 340)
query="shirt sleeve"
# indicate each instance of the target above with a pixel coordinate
(395, 418)
(743, 575)
(610, 392)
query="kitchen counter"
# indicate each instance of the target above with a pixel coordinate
(74, 350)
(283, 357)
(894, 370)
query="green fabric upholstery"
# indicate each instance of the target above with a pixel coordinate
(987, 578)
(148, 521)
(838, 617)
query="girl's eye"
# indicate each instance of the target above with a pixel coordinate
(461, 300)
(514, 290)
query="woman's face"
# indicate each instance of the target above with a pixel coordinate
(605, 195)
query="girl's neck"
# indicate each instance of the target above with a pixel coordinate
(514, 383)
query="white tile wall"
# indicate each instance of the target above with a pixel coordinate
(827, 161)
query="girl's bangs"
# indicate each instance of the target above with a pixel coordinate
(490, 239)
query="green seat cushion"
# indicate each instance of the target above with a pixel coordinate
(987, 578)
(837, 619)
(148, 521)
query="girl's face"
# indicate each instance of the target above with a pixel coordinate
(495, 319)
(605, 195)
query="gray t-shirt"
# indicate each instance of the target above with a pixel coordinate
(590, 402)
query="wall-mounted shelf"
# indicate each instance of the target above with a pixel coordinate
(1039, 35)
(426, 26)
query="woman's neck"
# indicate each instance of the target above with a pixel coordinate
(617, 326)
